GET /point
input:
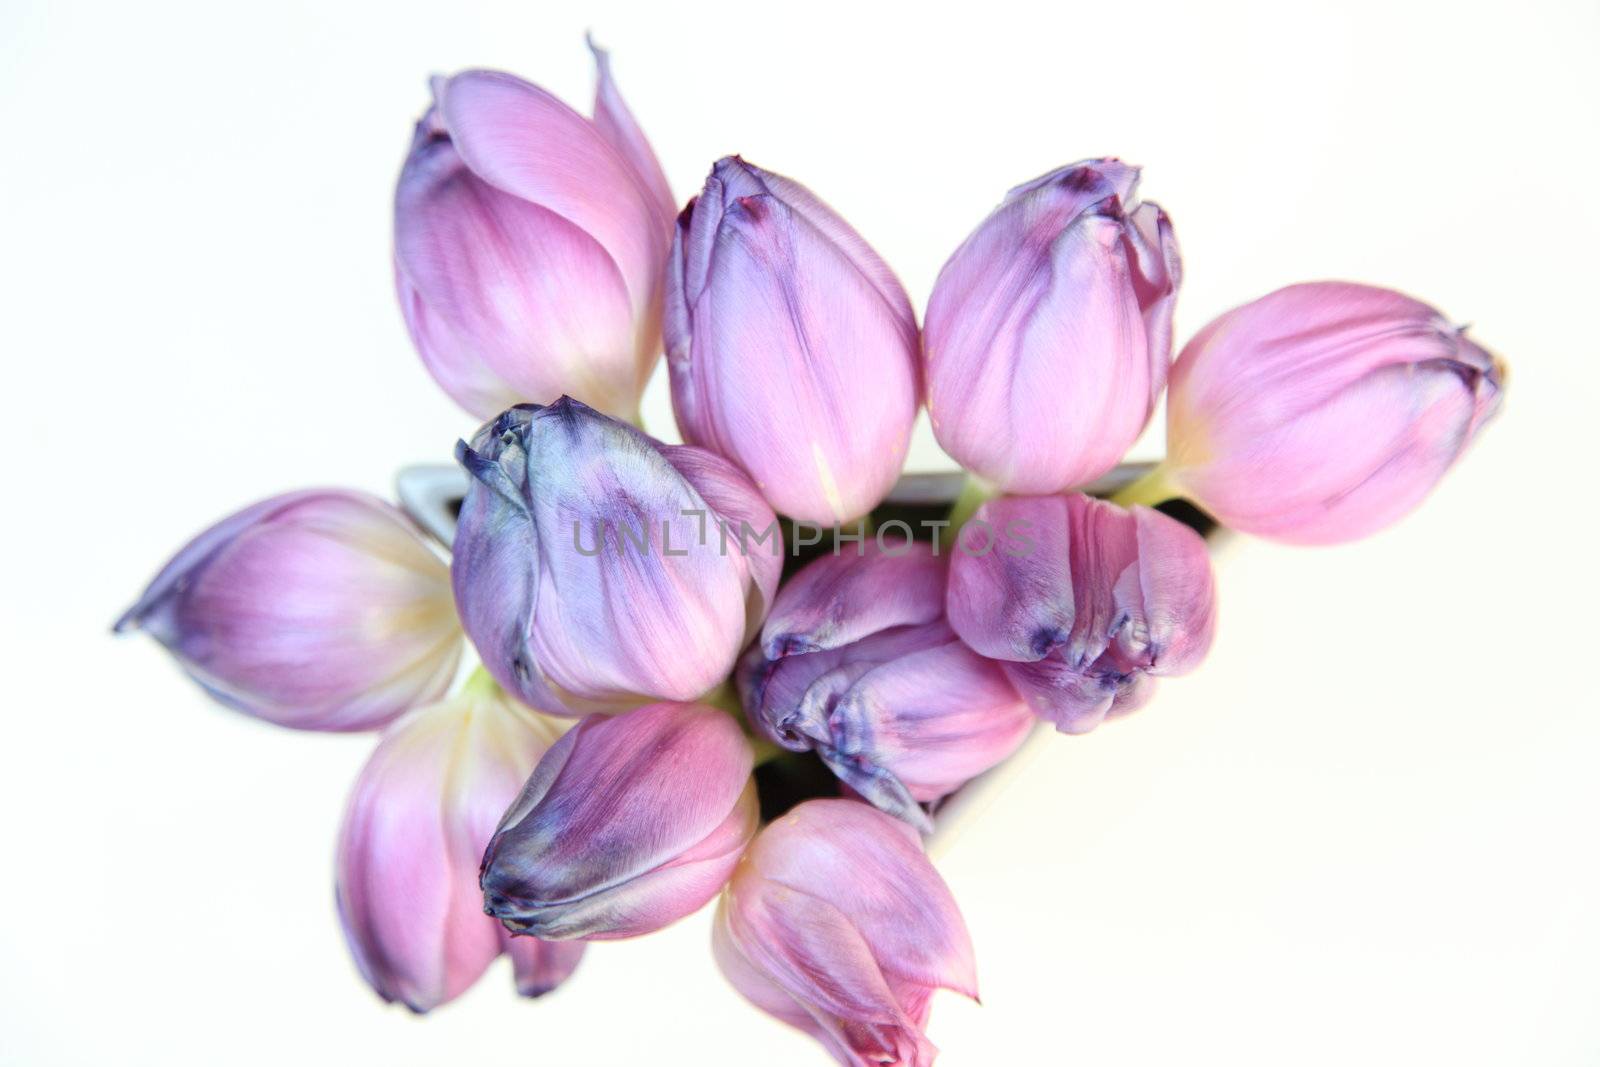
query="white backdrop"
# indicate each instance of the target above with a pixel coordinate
(1363, 832)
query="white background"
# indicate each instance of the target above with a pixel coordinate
(1364, 832)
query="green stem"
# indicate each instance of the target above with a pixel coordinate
(1150, 489)
(975, 492)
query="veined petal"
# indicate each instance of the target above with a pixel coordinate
(931, 720)
(617, 125)
(525, 142)
(1177, 607)
(786, 355)
(845, 850)
(627, 824)
(836, 600)
(1012, 599)
(1073, 701)
(581, 571)
(1049, 330)
(1324, 411)
(831, 225)
(1354, 463)
(541, 966)
(321, 610)
(807, 944)
(739, 522)
(415, 824)
(506, 300)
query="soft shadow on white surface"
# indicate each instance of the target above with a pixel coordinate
(1363, 832)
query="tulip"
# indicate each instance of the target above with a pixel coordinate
(596, 568)
(529, 244)
(1323, 412)
(1049, 330)
(792, 347)
(857, 664)
(1083, 603)
(629, 823)
(321, 610)
(415, 824)
(836, 923)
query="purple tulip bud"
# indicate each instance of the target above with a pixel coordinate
(1049, 330)
(629, 823)
(320, 610)
(419, 817)
(857, 663)
(596, 568)
(1090, 605)
(1323, 412)
(529, 245)
(792, 346)
(836, 923)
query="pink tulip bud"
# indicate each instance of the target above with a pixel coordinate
(857, 663)
(416, 823)
(320, 610)
(836, 923)
(629, 823)
(596, 568)
(529, 245)
(1085, 605)
(1323, 412)
(792, 346)
(1049, 330)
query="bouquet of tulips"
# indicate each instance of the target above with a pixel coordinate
(648, 639)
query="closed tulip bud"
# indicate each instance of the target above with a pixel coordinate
(629, 823)
(529, 244)
(416, 823)
(596, 568)
(1086, 605)
(320, 610)
(1323, 412)
(792, 346)
(1049, 330)
(857, 663)
(836, 923)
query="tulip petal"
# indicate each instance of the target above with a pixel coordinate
(541, 966)
(1052, 322)
(928, 721)
(837, 924)
(836, 600)
(1157, 271)
(508, 301)
(807, 942)
(320, 610)
(1047, 368)
(1399, 428)
(786, 355)
(1175, 614)
(842, 849)
(1104, 598)
(739, 522)
(415, 824)
(611, 837)
(832, 226)
(1013, 600)
(526, 143)
(578, 562)
(617, 125)
(1324, 411)
(1074, 702)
